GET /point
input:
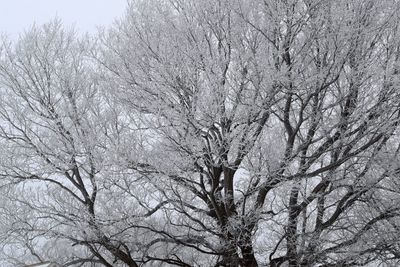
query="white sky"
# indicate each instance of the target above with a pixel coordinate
(85, 15)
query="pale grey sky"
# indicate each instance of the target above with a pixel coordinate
(17, 15)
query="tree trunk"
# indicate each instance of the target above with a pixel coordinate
(248, 259)
(230, 259)
(291, 235)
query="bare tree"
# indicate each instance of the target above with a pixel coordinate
(272, 122)
(68, 196)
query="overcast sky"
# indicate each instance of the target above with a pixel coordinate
(17, 15)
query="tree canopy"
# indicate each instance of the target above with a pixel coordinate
(205, 133)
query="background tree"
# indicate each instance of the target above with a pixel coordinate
(68, 196)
